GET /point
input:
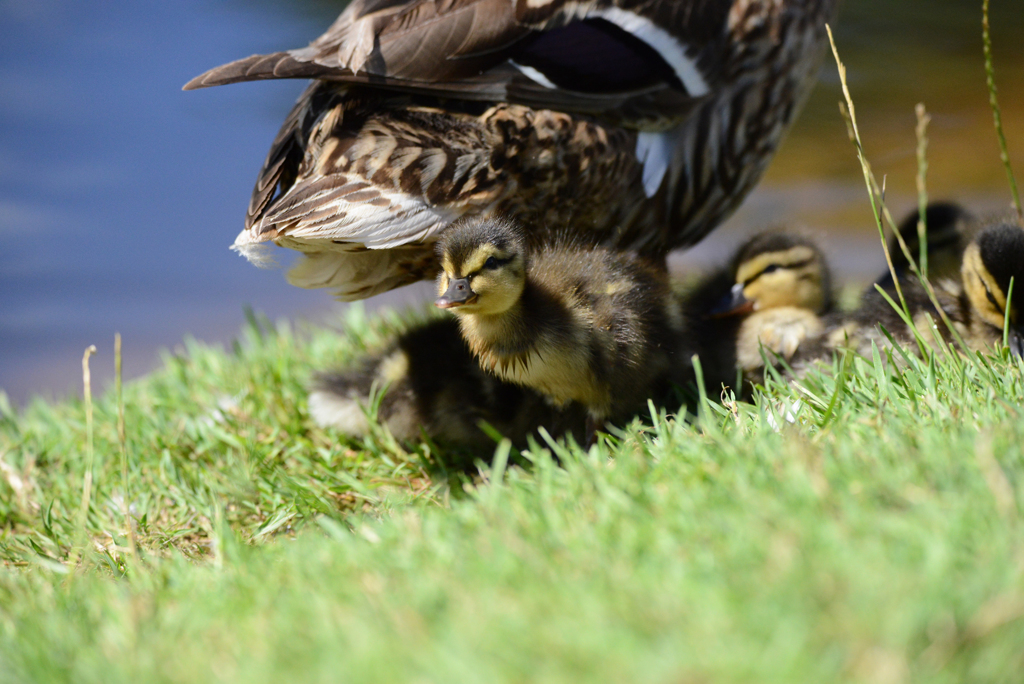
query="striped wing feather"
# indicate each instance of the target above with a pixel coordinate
(469, 49)
(369, 174)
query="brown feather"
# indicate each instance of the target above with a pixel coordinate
(460, 48)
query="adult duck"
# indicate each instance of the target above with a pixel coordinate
(637, 125)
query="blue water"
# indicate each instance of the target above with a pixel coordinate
(119, 193)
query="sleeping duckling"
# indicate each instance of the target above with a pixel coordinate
(772, 295)
(431, 384)
(588, 325)
(991, 261)
(948, 229)
(975, 304)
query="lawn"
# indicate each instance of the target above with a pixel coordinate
(864, 525)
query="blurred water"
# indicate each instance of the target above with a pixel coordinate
(119, 194)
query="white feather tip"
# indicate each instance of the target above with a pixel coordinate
(256, 253)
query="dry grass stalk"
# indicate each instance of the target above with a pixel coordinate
(923, 119)
(123, 442)
(873, 193)
(83, 510)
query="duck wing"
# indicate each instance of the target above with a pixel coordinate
(353, 169)
(591, 57)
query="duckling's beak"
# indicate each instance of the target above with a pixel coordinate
(457, 294)
(1016, 342)
(733, 304)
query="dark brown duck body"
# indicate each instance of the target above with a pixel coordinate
(389, 175)
(634, 125)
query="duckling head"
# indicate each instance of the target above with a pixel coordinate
(774, 270)
(483, 265)
(946, 225)
(991, 260)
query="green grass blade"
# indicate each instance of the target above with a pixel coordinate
(997, 117)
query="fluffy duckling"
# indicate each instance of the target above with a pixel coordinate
(772, 295)
(991, 261)
(949, 227)
(576, 324)
(975, 304)
(431, 384)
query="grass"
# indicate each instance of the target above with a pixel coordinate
(212, 434)
(873, 534)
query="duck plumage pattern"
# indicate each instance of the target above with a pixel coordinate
(425, 112)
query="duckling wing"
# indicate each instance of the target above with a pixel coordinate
(566, 55)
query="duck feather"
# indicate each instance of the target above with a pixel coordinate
(484, 50)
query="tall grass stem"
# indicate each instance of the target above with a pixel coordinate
(1006, 315)
(123, 443)
(923, 119)
(863, 162)
(873, 192)
(997, 117)
(83, 509)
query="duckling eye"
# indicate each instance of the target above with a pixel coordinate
(988, 294)
(491, 263)
(992, 300)
(771, 268)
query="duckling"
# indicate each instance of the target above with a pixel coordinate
(425, 112)
(949, 227)
(772, 295)
(576, 324)
(975, 304)
(991, 261)
(431, 384)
